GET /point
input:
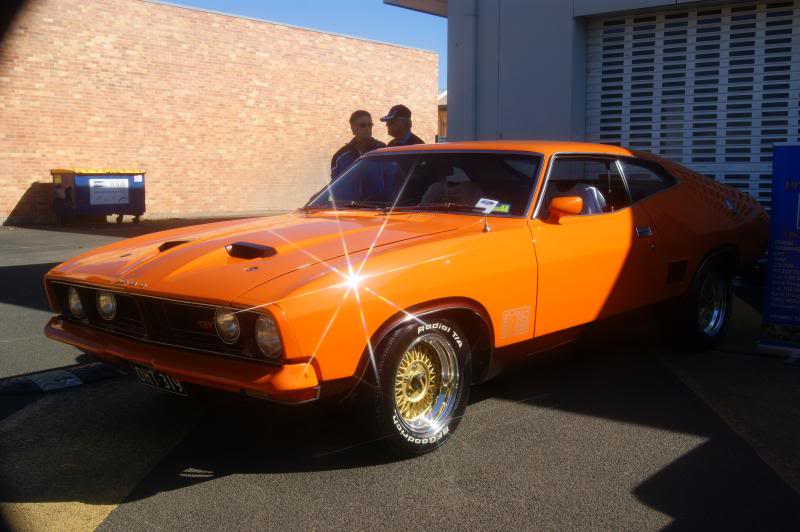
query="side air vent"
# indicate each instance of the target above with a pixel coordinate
(677, 271)
(171, 244)
(248, 250)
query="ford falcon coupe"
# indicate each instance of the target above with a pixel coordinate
(418, 272)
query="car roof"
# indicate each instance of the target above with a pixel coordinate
(545, 147)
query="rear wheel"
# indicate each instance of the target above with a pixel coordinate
(701, 317)
(713, 305)
(424, 373)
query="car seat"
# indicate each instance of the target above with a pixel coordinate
(593, 200)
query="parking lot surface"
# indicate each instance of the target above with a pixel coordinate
(615, 435)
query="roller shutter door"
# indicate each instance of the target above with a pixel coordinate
(710, 87)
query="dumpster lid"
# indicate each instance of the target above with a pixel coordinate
(79, 171)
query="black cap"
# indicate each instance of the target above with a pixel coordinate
(398, 111)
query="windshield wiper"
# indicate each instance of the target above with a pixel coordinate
(447, 206)
(310, 208)
(353, 204)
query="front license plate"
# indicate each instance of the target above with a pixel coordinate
(153, 377)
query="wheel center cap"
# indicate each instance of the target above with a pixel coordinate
(417, 386)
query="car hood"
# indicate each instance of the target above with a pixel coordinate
(201, 269)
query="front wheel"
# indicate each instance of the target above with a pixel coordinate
(424, 372)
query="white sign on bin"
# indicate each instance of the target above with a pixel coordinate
(108, 191)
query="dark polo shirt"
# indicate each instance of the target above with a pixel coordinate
(347, 155)
(407, 141)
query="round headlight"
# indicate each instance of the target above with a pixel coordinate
(106, 304)
(74, 302)
(227, 325)
(267, 337)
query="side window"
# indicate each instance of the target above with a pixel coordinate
(596, 180)
(645, 178)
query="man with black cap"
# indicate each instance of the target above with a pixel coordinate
(398, 124)
(362, 142)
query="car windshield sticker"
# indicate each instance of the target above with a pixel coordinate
(502, 207)
(486, 205)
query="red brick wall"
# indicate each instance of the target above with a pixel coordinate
(226, 114)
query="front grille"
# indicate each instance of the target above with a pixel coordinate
(127, 321)
(193, 326)
(174, 323)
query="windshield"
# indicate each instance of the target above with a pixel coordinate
(494, 183)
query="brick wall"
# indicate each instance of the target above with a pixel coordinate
(226, 114)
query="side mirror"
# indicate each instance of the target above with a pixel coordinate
(564, 206)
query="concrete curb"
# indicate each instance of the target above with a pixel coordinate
(57, 379)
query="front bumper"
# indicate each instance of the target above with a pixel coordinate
(290, 383)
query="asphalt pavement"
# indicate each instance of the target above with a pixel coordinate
(615, 434)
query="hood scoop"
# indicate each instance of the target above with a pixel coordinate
(171, 244)
(248, 250)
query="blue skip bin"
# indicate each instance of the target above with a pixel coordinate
(81, 192)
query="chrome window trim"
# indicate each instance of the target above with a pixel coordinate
(618, 164)
(552, 161)
(675, 180)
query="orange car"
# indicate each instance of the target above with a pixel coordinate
(420, 271)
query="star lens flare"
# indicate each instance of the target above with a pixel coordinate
(354, 281)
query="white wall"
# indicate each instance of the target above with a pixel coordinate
(516, 70)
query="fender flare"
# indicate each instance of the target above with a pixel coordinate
(449, 304)
(724, 250)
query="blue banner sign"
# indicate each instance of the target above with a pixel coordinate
(782, 298)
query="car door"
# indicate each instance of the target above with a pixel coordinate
(594, 264)
(675, 216)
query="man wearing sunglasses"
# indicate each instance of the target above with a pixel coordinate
(398, 124)
(362, 142)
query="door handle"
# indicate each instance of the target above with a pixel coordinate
(644, 231)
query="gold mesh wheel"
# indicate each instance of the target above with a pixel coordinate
(425, 384)
(416, 383)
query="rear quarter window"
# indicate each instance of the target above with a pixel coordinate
(645, 178)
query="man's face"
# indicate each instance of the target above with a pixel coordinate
(362, 127)
(397, 127)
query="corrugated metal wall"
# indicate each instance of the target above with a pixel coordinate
(710, 87)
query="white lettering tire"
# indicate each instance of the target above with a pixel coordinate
(424, 374)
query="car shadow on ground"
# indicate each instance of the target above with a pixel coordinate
(23, 285)
(720, 482)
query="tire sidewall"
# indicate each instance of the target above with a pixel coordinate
(389, 357)
(697, 337)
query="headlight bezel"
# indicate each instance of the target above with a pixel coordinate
(268, 321)
(80, 314)
(113, 298)
(229, 312)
